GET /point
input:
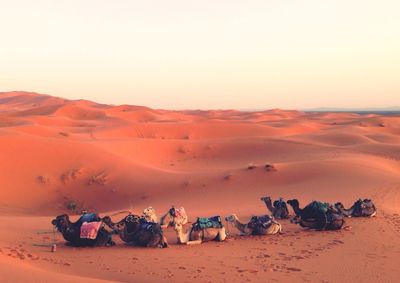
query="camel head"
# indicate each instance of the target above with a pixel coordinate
(293, 202)
(265, 199)
(231, 218)
(150, 214)
(61, 222)
(149, 211)
(108, 221)
(174, 216)
(339, 206)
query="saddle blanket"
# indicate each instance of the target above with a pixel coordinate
(208, 222)
(89, 230)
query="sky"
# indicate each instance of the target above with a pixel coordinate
(217, 54)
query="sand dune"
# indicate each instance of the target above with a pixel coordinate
(58, 152)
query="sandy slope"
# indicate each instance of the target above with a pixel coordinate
(106, 158)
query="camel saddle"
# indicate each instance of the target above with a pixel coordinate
(89, 230)
(149, 226)
(260, 221)
(208, 222)
(319, 207)
(87, 217)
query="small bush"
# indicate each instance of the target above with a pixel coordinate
(251, 166)
(72, 205)
(228, 176)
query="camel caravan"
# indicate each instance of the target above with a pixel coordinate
(147, 230)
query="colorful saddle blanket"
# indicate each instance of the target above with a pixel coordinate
(208, 222)
(89, 230)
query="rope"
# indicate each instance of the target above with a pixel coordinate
(54, 235)
(122, 211)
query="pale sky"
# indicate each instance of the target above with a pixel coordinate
(205, 54)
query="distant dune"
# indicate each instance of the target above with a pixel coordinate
(63, 156)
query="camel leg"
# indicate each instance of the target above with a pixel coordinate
(154, 241)
(194, 242)
(222, 234)
(280, 229)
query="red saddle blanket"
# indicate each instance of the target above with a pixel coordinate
(89, 230)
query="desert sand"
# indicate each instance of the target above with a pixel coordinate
(62, 156)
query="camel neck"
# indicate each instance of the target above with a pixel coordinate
(241, 226)
(297, 210)
(268, 203)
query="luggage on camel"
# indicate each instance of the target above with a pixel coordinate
(208, 222)
(88, 217)
(263, 221)
(319, 207)
(150, 226)
(89, 230)
(319, 211)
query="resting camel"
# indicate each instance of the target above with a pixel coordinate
(71, 232)
(255, 227)
(279, 209)
(312, 218)
(174, 216)
(135, 230)
(198, 236)
(361, 208)
(150, 214)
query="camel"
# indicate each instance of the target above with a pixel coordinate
(255, 227)
(71, 232)
(198, 236)
(135, 230)
(310, 217)
(174, 216)
(150, 214)
(278, 209)
(361, 208)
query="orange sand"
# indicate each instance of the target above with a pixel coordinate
(110, 158)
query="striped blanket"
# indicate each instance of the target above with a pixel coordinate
(89, 230)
